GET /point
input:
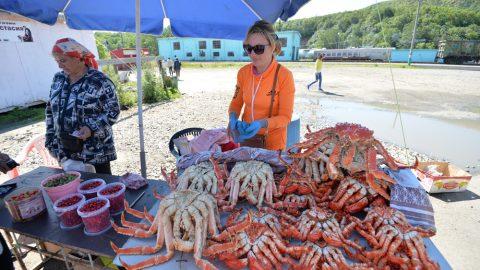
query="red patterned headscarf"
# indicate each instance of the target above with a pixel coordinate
(72, 48)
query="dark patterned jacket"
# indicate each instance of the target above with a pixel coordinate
(92, 102)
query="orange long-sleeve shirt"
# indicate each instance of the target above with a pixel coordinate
(247, 83)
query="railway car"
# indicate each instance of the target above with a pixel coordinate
(355, 54)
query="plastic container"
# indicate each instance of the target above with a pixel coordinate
(25, 204)
(59, 191)
(115, 193)
(66, 210)
(90, 187)
(95, 215)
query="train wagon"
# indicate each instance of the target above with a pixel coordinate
(354, 54)
(459, 51)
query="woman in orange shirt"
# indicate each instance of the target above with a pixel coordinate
(265, 91)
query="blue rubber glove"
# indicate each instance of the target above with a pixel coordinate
(232, 124)
(236, 127)
(253, 129)
(242, 127)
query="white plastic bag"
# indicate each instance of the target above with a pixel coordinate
(77, 165)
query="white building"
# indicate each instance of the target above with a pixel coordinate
(26, 63)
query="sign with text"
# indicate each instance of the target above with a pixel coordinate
(13, 31)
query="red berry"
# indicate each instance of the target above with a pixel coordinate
(111, 190)
(91, 185)
(69, 201)
(92, 206)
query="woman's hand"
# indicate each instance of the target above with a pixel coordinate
(242, 127)
(84, 133)
(252, 129)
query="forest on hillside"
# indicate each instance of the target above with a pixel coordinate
(390, 24)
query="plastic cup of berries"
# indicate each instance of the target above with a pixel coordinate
(115, 193)
(66, 210)
(95, 215)
(90, 187)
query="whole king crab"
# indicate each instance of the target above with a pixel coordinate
(322, 256)
(354, 150)
(265, 215)
(183, 220)
(293, 203)
(320, 224)
(200, 177)
(400, 246)
(393, 240)
(252, 180)
(378, 216)
(252, 244)
(353, 194)
(297, 191)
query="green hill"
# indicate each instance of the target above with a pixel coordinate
(440, 19)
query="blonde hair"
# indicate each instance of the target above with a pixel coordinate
(265, 29)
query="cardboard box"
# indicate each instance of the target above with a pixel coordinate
(453, 179)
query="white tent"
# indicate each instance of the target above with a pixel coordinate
(27, 68)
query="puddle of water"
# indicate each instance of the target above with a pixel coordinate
(458, 144)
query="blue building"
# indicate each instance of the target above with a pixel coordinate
(206, 49)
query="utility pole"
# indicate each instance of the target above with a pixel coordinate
(414, 32)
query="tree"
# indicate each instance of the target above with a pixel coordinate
(440, 19)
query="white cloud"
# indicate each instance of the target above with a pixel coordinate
(324, 7)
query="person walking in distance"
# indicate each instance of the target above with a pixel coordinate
(170, 66)
(318, 72)
(177, 65)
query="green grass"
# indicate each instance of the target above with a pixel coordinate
(35, 114)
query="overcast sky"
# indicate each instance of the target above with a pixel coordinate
(324, 7)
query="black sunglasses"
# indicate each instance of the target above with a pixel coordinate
(257, 49)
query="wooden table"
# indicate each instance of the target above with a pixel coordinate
(46, 228)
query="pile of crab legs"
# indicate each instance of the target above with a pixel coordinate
(334, 173)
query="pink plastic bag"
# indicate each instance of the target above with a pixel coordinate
(209, 140)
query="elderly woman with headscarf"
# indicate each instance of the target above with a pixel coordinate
(81, 109)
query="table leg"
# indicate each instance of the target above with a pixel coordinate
(15, 238)
(91, 261)
(65, 259)
(15, 250)
(37, 245)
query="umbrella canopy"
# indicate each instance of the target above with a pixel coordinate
(228, 19)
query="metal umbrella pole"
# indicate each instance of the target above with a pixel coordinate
(414, 32)
(143, 164)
